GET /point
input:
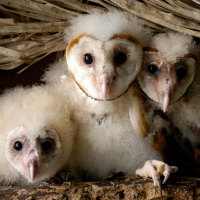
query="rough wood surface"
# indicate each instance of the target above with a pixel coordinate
(129, 188)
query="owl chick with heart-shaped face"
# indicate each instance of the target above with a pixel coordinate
(168, 69)
(37, 135)
(170, 78)
(104, 56)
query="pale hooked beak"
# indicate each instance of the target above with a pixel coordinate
(165, 92)
(32, 166)
(105, 88)
(105, 81)
(165, 102)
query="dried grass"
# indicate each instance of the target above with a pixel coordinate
(32, 29)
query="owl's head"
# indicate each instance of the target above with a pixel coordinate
(168, 68)
(32, 154)
(104, 54)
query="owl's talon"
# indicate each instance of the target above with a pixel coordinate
(65, 175)
(166, 173)
(155, 169)
(157, 182)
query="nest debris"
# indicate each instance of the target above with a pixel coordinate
(33, 29)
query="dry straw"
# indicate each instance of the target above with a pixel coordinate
(32, 29)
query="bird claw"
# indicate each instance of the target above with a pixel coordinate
(69, 175)
(66, 175)
(155, 169)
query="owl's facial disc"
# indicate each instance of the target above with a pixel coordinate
(104, 70)
(163, 81)
(32, 154)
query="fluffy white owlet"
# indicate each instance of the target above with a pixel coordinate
(37, 135)
(104, 56)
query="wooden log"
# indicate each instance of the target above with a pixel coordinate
(128, 188)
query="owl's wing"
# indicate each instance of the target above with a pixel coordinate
(137, 113)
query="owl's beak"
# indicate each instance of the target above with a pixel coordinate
(32, 165)
(104, 85)
(105, 82)
(105, 88)
(165, 102)
(166, 91)
(166, 88)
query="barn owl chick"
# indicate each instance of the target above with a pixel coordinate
(169, 77)
(104, 56)
(104, 53)
(37, 135)
(32, 155)
(168, 68)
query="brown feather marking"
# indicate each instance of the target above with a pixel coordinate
(143, 124)
(128, 37)
(174, 148)
(161, 169)
(73, 42)
(150, 49)
(189, 55)
(159, 141)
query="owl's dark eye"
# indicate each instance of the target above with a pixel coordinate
(152, 68)
(47, 146)
(181, 72)
(120, 58)
(18, 146)
(88, 59)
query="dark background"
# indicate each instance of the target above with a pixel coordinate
(30, 76)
